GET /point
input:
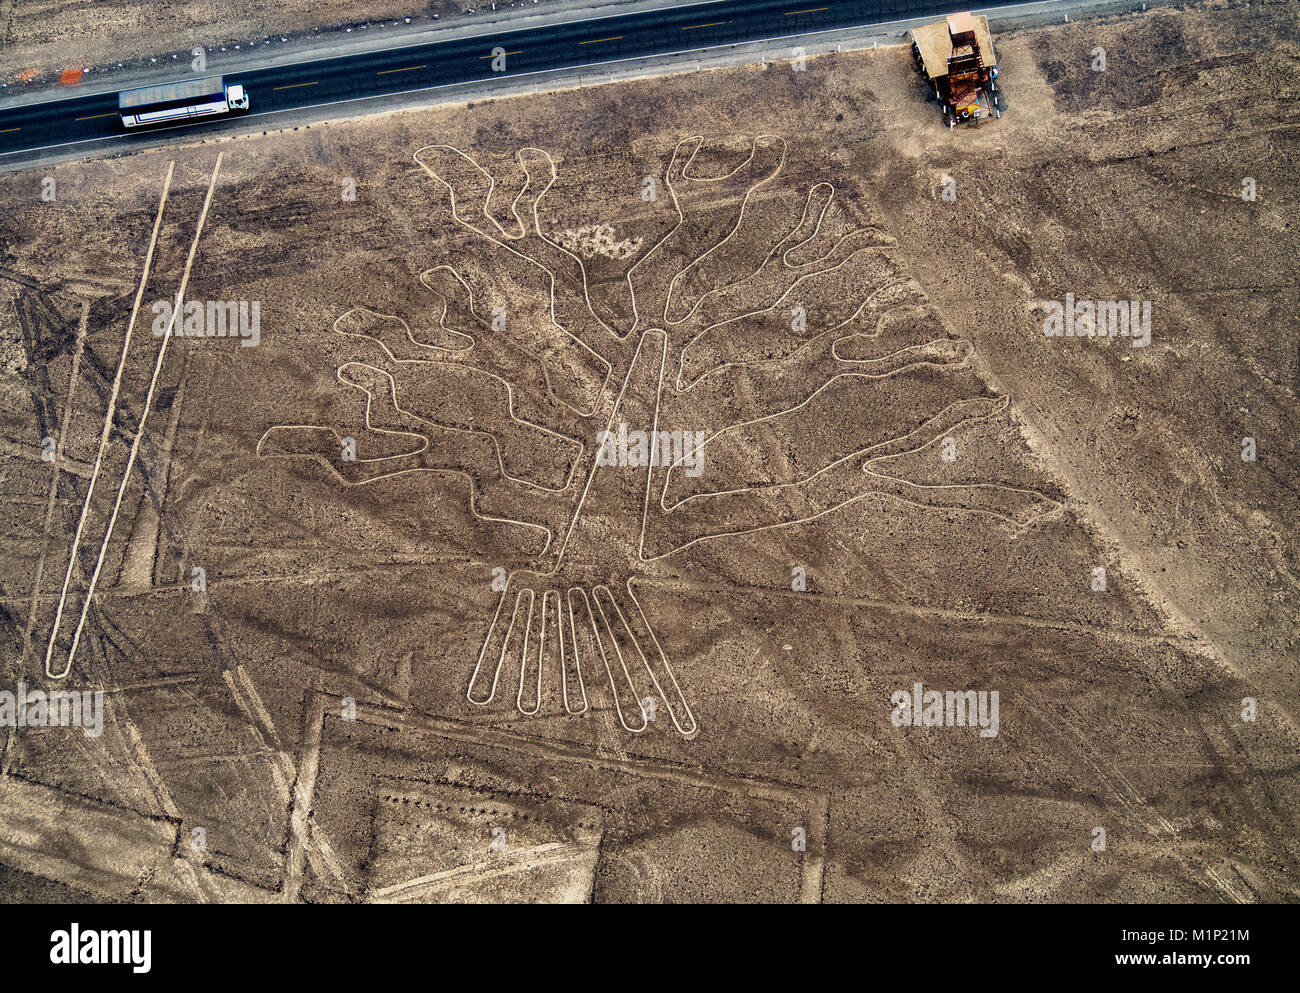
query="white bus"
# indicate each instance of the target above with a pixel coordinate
(187, 100)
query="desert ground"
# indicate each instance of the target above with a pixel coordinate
(376, 620)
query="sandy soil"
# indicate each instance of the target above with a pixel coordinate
(471, 662)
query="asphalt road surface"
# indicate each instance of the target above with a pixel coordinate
(579, 43)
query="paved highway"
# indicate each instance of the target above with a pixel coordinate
(463, 60)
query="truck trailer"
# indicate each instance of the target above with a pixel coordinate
(955, 57)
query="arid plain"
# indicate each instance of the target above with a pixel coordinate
(391, 607)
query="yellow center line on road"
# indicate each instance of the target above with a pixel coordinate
(520, 52)
(385, 72)
(597, 41)
(7, 130)
(294, 86)
(711, 24)
(810, 10)
(95, 116)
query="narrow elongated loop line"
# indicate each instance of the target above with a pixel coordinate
(627, 676)
(573, 649)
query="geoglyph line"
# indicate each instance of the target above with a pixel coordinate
(503, 242)
(139, 432)
(51, 501)
(491, 436)
(108, 423)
